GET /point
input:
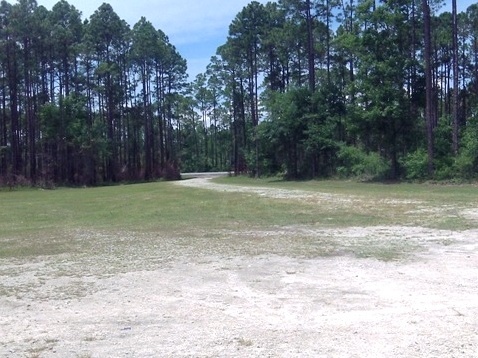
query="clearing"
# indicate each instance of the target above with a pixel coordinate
(295, 290)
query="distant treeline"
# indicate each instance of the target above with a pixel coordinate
(302, 88)
(85, 102)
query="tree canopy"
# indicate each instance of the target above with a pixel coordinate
(302, 88)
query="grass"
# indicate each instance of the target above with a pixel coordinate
(432, 193)
(144, 207)
(429, 205)
(41, 222)
(51, 222)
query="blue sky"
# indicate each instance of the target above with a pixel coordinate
(195, 27)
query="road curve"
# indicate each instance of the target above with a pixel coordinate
(204, 175)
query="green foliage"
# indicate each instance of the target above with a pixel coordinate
(98, 100)
(271, 162)
(287, 126)
(445, 164)
(355, 162)
(444, 158)
(466, 163)
(416, 165)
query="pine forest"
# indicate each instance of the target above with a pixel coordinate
(369, 89)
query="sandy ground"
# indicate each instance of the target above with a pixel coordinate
(247, 294)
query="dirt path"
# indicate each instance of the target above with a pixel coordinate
(218, 298)
(205, 182)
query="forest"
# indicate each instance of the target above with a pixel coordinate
(369, 89)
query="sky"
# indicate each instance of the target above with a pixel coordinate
(196, 27)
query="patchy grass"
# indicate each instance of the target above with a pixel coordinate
(142, 207)
(154, 207)
(244, 342)
(94, 272)
(412, 191)
(35, 223)
(430, 205)
(39, 348)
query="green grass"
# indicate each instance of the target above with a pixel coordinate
(146, 207)
(51, 222)
(44, 222)
(429, 205)
(143, 207)
(432, 193)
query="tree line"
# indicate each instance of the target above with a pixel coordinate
(86, 102)
(302, 88)
(365, 88)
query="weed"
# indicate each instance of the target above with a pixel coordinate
(244, 342)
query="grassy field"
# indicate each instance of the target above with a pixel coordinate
(40, 222)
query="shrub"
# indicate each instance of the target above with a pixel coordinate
(416, 165)
(357, 163)
(466, 163)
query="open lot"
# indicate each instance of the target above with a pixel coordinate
(235, 267)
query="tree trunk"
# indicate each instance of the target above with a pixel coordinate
(430, 103)
(16, 158)
(455, 80)
(3, 127)
(310, 46)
